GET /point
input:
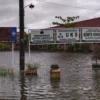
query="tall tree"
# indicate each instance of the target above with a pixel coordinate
(65, 22)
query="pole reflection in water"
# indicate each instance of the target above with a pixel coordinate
(22, 86)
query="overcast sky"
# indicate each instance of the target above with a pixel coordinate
(44, 12)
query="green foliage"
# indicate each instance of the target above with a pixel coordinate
(65, 22)
(26, 40)
(1, 46)
(45, 46)
(76, 47)
(85, 47)
(32, 66)
(7, 47)
(49, 46)
(54, 46)
(4, 46)
(70, 47)
(81, 47)
(5, 72)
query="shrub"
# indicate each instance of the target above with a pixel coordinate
(5, 72)
(32, 66)
(70, 47)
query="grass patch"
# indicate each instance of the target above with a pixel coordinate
(5, 72)
(32, 66)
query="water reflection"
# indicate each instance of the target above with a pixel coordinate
(55, 83)
(9, 88)
(77, 80)
(22, 86)
(96, 84)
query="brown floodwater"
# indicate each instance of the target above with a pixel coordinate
(78, 81)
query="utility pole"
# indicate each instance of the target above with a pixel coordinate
(21, 25)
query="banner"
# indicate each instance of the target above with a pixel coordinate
(68, 35)
(65, 35)
(90, 34)
(39, 36)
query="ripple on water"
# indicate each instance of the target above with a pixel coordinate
(77, 82)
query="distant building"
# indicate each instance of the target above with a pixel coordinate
(95, 22)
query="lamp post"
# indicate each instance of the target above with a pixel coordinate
(21, 25)
(29, 5)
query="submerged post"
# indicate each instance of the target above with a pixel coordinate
(21, 25)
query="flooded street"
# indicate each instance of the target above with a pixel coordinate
(78, 81)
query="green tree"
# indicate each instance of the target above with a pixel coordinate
(26, 40)
(65, 22)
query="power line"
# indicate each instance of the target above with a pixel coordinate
(66, 5)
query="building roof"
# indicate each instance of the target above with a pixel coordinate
(95, 22)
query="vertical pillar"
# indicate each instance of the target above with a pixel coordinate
(21, 25)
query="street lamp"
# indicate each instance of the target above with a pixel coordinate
(21, 25)
(41, 32)
(29, 5)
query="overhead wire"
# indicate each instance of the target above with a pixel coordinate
(77, 7)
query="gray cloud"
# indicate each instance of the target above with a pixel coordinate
(44, 14)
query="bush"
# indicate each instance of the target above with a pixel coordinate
(85, 47)
(32, 66)
(5, 72)
(70, 47)
(4, 46)
(76, 47)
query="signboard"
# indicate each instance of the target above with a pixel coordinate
(68, 35)
(65, 35)
(41, 36)
(91, 35)
(8, 34)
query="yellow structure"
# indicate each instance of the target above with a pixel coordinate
(30, 72)
(11, 72)
(55, 73)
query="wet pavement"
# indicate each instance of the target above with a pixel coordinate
(78, 81)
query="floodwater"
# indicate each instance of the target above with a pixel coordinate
(78, 81)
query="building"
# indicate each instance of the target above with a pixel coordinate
(95, 22)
